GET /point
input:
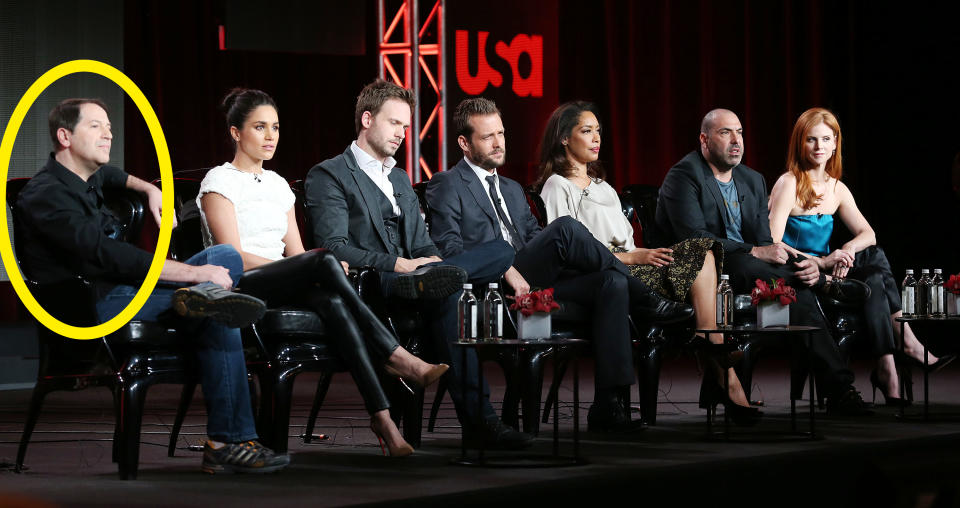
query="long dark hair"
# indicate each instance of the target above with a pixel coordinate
(240, 102)
(553, 155)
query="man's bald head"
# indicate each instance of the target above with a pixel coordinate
(711, 117)
(721, 140)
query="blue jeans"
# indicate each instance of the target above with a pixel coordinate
(223, 369)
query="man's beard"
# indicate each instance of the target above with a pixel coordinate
(488, 163)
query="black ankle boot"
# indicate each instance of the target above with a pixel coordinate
(648, 305)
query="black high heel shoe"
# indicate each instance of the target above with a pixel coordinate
(887, 399)
(712, 394)
(941, 362)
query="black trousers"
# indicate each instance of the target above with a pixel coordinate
(315, 280)
(744, 269)
(568, 258)
(871, 267)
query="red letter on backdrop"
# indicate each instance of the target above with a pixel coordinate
(532, 45)
(475, 85)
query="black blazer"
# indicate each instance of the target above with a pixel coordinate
(461, 216)
(690, 206)
(342, 203)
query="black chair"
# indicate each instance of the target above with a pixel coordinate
(128, 361)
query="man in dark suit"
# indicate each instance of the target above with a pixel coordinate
(709, 193)
(471, 204)
(364, 210)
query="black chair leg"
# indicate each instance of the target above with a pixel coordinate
(532, 386)
(648, 375)
(36, 401)
(552, 395)
(322, 386)
(186, 395)
(437, 400)
(133, 396)
(413, 417)
(282, 399)
(747, 364)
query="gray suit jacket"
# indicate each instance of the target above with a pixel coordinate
(342, 204)
(461, 216)
(690, 206)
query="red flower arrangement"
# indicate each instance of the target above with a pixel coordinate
(535, 301)
(953, 285)
(777, 290)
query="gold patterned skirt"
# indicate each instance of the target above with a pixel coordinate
(674, 280)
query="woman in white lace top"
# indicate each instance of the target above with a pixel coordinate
(251, 208)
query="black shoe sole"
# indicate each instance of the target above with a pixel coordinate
(234, 311)
(229, 469)
(437, 282)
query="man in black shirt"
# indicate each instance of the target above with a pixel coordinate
(63, 226)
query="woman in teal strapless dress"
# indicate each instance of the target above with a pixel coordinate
(802, 206)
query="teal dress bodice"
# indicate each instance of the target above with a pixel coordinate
(809, 233)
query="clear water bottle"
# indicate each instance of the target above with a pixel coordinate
(724, 302)
(938, 304)
(467, 315)
(908, 295)
(493, 314)
(923, 293)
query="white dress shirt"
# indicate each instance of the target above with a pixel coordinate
(482, 174)
(379, 173)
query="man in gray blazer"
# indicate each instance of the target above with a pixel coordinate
(710, 194)
(471, 204)
(364, 210)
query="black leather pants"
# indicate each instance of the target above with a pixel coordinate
(315, 279)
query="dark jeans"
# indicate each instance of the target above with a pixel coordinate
(315, 280)
(871, 267)
(223, 369)
(580, 269)
(744, 269)
(485, 263)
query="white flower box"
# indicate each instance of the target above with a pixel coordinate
(534, 326)
(772, 314)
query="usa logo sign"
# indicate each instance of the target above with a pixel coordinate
(523, 86)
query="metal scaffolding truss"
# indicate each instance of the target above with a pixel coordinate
(411, 54)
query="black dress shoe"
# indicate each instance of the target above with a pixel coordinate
(495, 435)
(849, 403)
(651, 307)
(845, 290)
(429, 282)
(607, 418)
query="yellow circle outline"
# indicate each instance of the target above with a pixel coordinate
(166, 179)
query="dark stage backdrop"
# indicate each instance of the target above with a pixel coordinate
(654, 68)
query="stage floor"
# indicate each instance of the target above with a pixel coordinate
(867, 461)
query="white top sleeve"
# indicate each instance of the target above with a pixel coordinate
(261, 208)
(597, 207)
(558, 197)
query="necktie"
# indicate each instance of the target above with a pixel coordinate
(498, 206)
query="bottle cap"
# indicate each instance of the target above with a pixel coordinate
(724, 276)
(493, 285)
(468, 286)
(909, 271)
(925, 270)
(937, 271)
